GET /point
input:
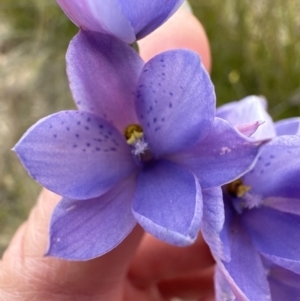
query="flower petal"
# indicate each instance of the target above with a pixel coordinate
(103, 16)
(247, 110)
(284, 284)
(82, 230)
(277, 170)
(103, 74)
(224, 155)
(75, 154)
(168, 203)
(222, 288)
(213, 222)
(290, 126)
(175, 101)
(146, 16)
(245, 271)
(276, 235)
(283, 204)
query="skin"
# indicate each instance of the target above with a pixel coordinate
(141, 268)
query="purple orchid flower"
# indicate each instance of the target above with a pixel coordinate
(257, 215)
(127, 20)
(142, 148)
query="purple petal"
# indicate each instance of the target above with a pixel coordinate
(277, 170)
(75, 154)
(283, 204)
(247, 110)
(82, 230)
(103, 74)
(175, 101)
(284, 284)
(213, 221)
(222, 288)
(103, 16)
(146, 16)
(224, 155)
(245, 271)
(168, 203)
(276, 235)
(290, 126)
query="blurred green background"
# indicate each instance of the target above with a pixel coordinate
(255, 49)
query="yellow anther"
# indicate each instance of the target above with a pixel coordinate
(237, 188)
(133, 133)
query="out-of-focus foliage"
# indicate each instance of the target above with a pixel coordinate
(255, 48)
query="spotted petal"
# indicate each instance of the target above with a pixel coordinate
(277, 170)
(82, 230)
(103, 74)
(145, 16)
(75, 154)
(168, 203)
(276, 235)
(175, 101)
(221, 157)
(105, 16)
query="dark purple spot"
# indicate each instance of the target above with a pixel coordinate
(272, 157)
(98, 149)
(50, 126)
(159, 84)
(140, 86)
(171, 93)
(54, 135)
(78, 122)
(181, 87)
(268, 164)
(170, 105)
(109, 133)
(142, 116)
(77, 135)
(154, 120)
(75, 145)
(106, 136)
(78, 102)
(161, 60)
(68, 128)
(113, 149)
(148, 124)
(62, 122)
(163, 74)
(87, 128)
(163, 119)
(100, 126)
(157, 128)
(88, 120)
(88, 144)
(83, 149)
(99, 140)
(145, 70)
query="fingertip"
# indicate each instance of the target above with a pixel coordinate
(182, 30)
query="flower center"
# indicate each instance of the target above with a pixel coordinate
(240, 197)
(237, 188)
(135, 137)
